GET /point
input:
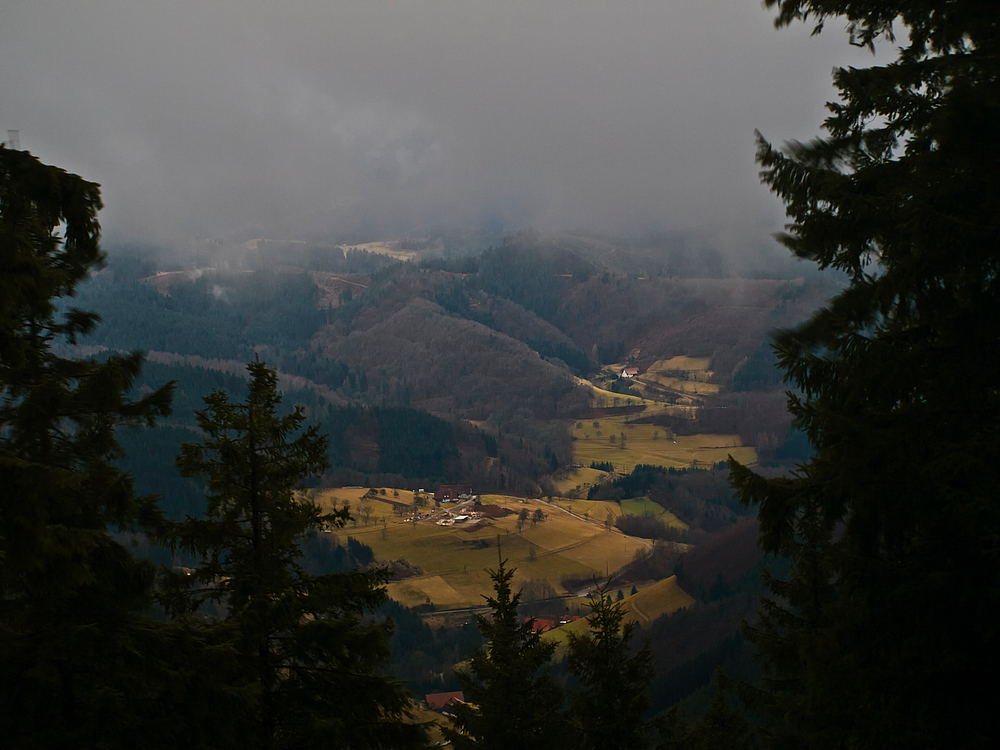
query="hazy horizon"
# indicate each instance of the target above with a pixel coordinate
(319, 119)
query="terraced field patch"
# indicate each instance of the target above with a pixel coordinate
(454, 560)
(643, 505)
(662, 598)
(682, 364)
(591, 510)
(683, 385)
(650, 444)
(580, 477)
(605, 399)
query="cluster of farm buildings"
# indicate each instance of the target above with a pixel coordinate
(476, 513)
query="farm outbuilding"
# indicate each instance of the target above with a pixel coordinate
(492, 511)
(440, 701)
(452, 492)
(542, 625)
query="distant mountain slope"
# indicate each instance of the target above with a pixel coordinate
(457, 366)
(495, 338)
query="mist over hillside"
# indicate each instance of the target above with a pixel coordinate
(509, 336)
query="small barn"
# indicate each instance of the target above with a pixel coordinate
(440, 701)
(542, 625)
(452, 492)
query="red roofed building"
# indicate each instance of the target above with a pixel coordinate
(452, 492)
(440, 701)
(542, 625)
(630, 372)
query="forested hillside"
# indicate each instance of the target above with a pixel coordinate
(500, 337)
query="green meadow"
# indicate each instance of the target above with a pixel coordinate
(601, 440)
(454, 559)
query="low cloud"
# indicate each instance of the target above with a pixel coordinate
(322, 118)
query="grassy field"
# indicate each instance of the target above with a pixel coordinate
(432, 720)
(649, 444)
(687, 401)
(662, 598)
(390, 248)
(454, 561)
(576, 540)
(688, 378)
(686, 375)
(683, 385)
(580, 479)
(599, 511)
(682, 364)
(643, 505)
(369, 510)
(339, 497)
(573, 541)
(654, 601)
(602, 398)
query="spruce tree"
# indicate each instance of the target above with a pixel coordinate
(511, 699)
(77, 658)
(611, 696)
(885, 630)
(309, 645)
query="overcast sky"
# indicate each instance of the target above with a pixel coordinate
(205, 118)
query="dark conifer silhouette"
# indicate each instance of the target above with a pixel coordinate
(611, 698)
(883, 633)
(77, 659)
(308, 644)
(511, 699)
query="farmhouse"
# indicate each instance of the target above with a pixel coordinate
(542, 625)
(630, 372)
(452, 492)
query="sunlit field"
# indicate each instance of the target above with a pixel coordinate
(662, 598)
(577, 479)
(454, 559)
(601, 441)
(682, 364)
(608, 399)
(644, 506)
(693, 387)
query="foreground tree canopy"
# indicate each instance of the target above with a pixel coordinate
(512, 699)
(83, 662)
(307, 644)
(885, 629)
(608, 709)
(73, 645)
